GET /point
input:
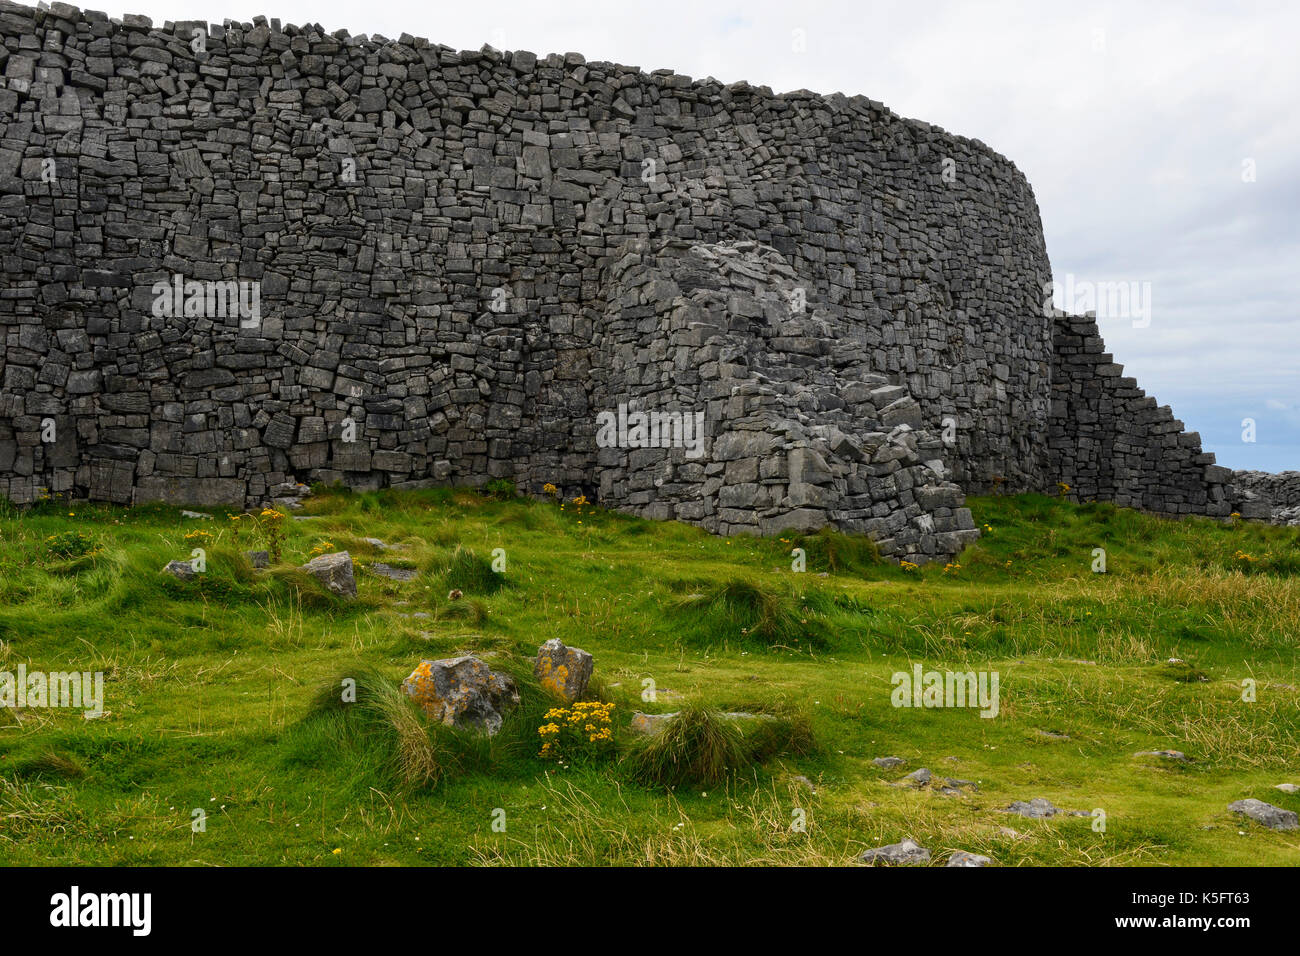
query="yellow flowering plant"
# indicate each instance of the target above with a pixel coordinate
(583, 730)
(268, 525)
(71, 544)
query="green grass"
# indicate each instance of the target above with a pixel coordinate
(223, 693)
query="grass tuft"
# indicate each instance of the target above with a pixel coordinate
(697, 747)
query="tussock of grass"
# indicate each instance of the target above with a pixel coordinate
(52, 764)
(698, 746)
(305, 588)
(29, 808)
(467, 571)
(829, 550)
(468, 610)
(383, 720)
(741, 610)
(782, 729)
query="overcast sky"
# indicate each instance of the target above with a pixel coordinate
(1161, 140)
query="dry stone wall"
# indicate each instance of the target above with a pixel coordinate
(801, 432)
(1272, 497)
(1111, 441)
(241, 256)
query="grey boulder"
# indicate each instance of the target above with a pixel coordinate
(462, 692)
(1275, 818)
(906, 853)
(335, 572)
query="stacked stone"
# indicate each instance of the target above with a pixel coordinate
(801, 433)
(436, 235)
(1272, 497)
(1110, 441)
(382, 192)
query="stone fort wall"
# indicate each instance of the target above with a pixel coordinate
(460, 259)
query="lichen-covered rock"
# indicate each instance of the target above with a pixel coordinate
(462, 692)
(563, 670)
(258, 559)
(1275, 818)
(335, 572)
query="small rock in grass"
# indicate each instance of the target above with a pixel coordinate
(1166, 754)
(1287, 788)
(906, 853)
(376, 543)
(180, 570)
(335, 572)
(196, 515)
(963, 858)
(1052, 734)
(919, 777)
(802, 781)
(258, 559)
(889, 762)
(650, 724)
(1275, 818)
(1036, 809)
(391, 572)
(563, 670)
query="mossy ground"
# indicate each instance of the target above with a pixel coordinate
(213, 687)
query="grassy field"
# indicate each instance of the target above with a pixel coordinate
(221, 692)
